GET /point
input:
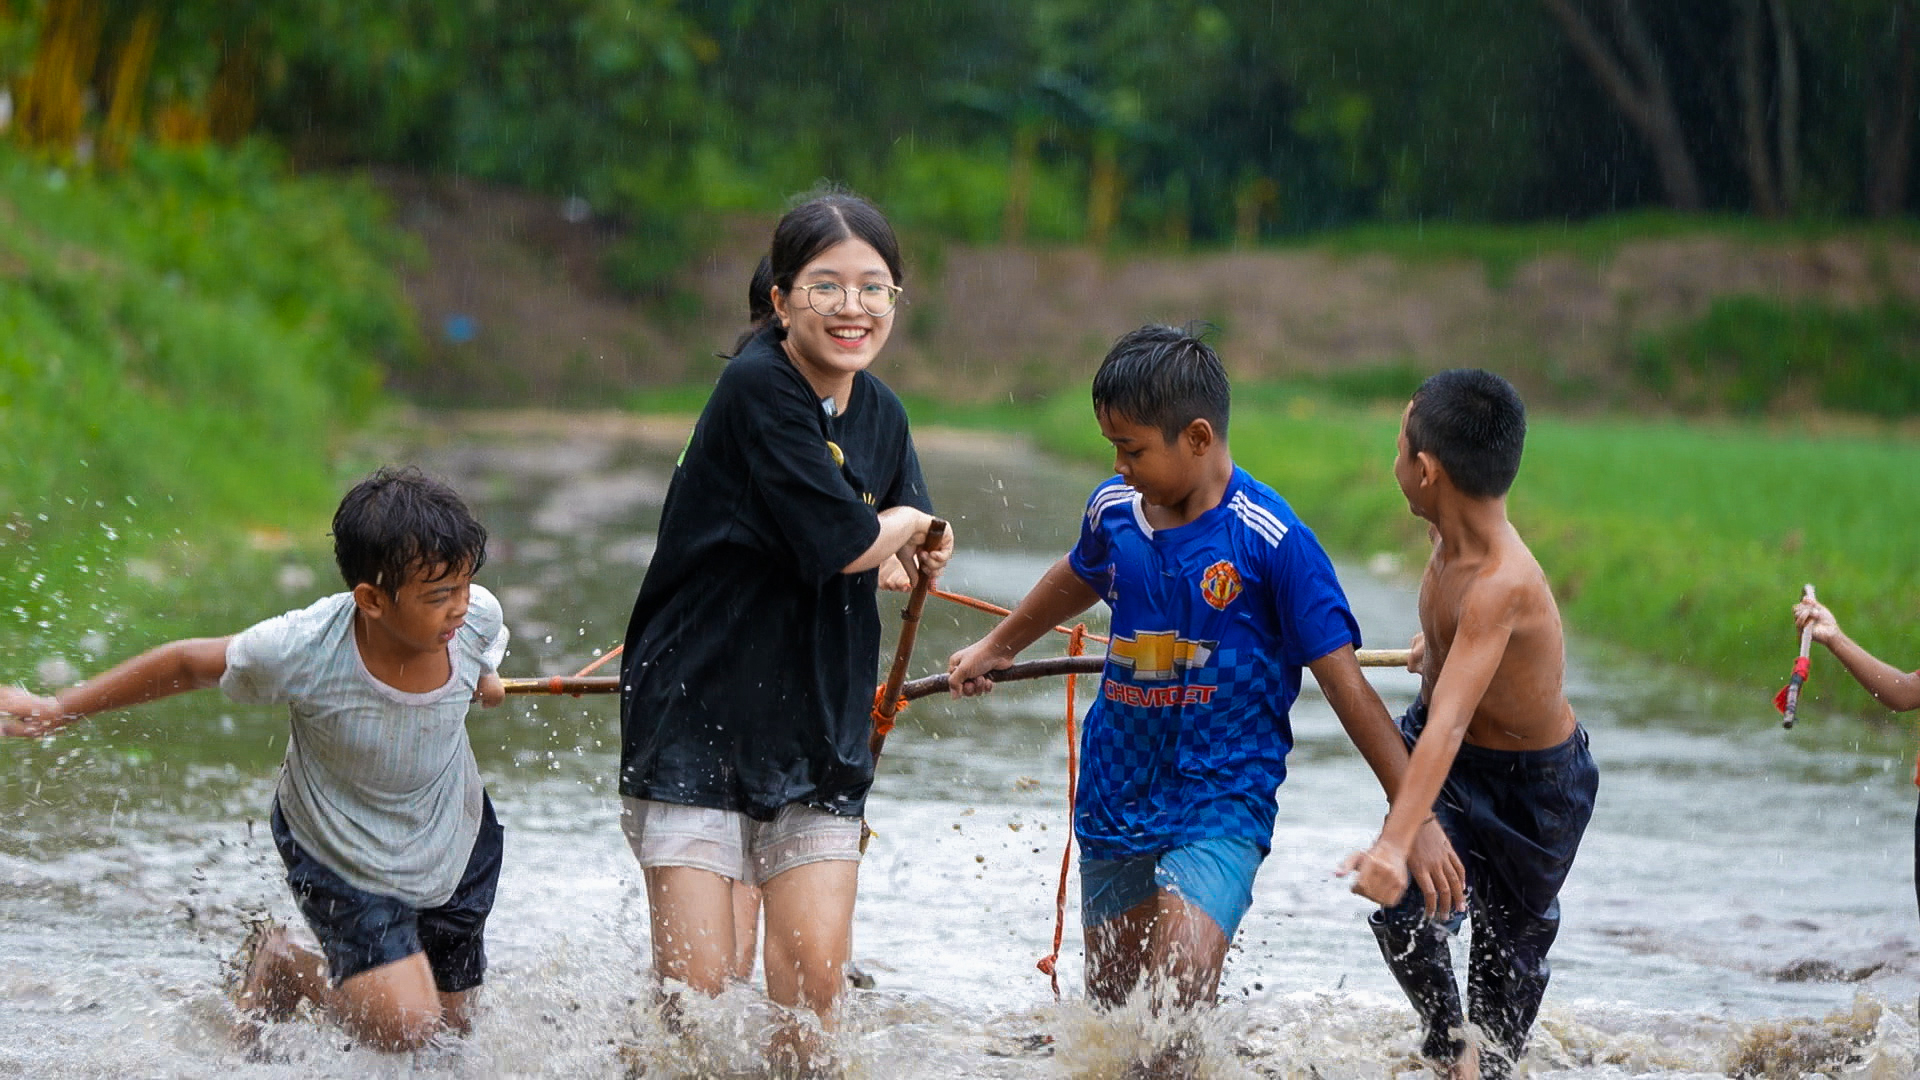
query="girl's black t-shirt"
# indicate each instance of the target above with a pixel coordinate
(750, 662)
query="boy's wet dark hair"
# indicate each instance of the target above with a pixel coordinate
(1164, 377)
(399, 521)
(1474, 423)
(808, 229)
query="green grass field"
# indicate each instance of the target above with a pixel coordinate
(1686, 542)
(186, 347)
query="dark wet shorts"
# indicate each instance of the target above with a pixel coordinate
(360, 931)
(1515, 817)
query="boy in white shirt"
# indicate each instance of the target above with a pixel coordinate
(390, 842)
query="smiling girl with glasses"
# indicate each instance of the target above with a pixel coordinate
(750, 657)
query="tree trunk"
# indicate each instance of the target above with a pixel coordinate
(52, 103)
(1646, 102)
(1013, 221)
(1103, 188)
(231, 103)
(1788, 65)
(130, 73)
(1889, 148)
(1753, 111)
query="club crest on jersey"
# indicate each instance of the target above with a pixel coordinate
(1220, 584)
(1162, 655)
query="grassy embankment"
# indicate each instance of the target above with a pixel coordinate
(183, 346)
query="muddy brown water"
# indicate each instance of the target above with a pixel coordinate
(1743, 901)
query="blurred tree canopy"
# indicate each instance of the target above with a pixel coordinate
(1158, 121)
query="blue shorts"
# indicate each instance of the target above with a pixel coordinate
(1214, 875)
(360, 931)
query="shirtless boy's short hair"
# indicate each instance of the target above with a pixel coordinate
(400, 520)
(1474, 424)
(1164, 377)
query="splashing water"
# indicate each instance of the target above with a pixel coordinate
(1741, 906)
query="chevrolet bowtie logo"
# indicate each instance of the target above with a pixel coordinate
(1160, 655)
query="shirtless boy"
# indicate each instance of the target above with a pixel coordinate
(1498, 757)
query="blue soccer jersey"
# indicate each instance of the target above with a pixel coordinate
(1212, 622)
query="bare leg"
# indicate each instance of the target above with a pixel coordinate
(746, 929)
(691, 912)
(392, 1007)
(809, 911)
(456, 1010)
(1186, 951)
(1176, 946)
(1117, 953)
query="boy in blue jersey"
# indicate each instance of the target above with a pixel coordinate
(1220, 596)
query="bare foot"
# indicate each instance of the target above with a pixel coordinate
(799, 1052)
(1465, 1067)
(258, 988)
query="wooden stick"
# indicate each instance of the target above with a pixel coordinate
(1092, 665)
(1799, 666)
(565, 684)
(915, 689)
(889, 701)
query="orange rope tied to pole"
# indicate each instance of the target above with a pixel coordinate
(1076, 645)
(883, 717)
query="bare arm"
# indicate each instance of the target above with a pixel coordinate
(1431, 860)
(1479, 644)
(1897, 690)
(491, 691)
(1059, 595)
(903, 532)
(173, 668)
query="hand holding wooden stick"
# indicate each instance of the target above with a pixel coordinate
(889, 700)
(1788, 699)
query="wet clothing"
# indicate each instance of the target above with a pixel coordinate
(750, 659)
(734, 845)
(1215, 876)
(1212, 622)
(379, 784)
(360, 931)
(1515, 819)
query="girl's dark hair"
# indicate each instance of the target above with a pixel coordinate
(1474, 423)
(808, 229)
(1165, 377)
(400, 521)
(759, 303)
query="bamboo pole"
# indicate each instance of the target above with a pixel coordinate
(915, 689)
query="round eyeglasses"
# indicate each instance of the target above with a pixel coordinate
(830, 297)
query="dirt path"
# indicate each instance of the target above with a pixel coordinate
(516, 312)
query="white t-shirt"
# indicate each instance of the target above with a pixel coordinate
(380, 785)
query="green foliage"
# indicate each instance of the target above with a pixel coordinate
(1747, 351)
(183, 341)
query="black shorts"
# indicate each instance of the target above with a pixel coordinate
(360, 931)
